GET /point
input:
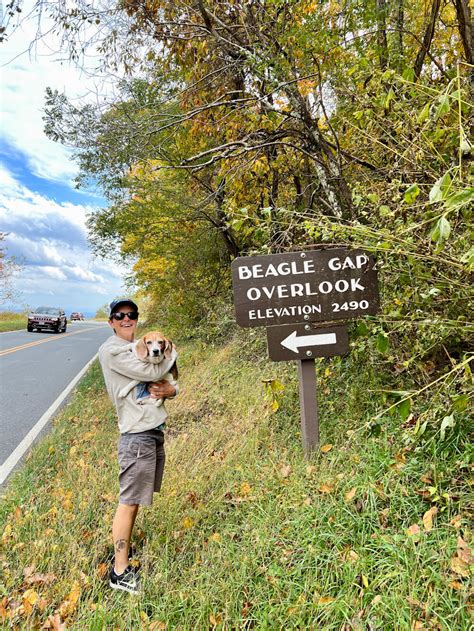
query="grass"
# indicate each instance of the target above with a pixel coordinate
(10, 321)
(246, 533)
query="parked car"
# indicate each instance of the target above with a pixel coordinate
(47, 318)
(77, 315)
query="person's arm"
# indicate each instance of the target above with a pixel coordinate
(163, 389)
(128, 365)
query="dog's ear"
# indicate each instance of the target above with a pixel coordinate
(141, 349)
(168, 349)
(174, 371)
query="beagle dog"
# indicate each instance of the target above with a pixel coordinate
(153, 347)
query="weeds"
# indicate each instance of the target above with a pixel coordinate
(370, 533)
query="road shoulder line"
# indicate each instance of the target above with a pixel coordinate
(19, 451)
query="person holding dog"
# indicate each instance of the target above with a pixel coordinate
(141, 453)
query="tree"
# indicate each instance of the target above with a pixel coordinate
(275, 124)
(8, 269)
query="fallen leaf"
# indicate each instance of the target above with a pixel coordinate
(215, 537)
(325, 448)
(245, 488)
(285, 471)
(40, 579)
(376, 600)
(428, 518)
(7, 531)
(215, 619)
(460, 567)
(325, 488)
(55, 623)
(187, 523)
(456, 521)
(324, 600)
(157, 625)
(350, 494)
(102, 569)
(413, 530)
(144, 617)
(69, 604)
(456, 585)
(379, 490)
(353, 556)
(464, 552)
(3, 610)
(108, 497)
(29, 600)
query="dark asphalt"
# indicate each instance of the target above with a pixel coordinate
(32, 378)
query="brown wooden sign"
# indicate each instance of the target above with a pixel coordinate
(311, 286)
(306, 341)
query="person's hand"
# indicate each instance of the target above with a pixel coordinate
(161, 389)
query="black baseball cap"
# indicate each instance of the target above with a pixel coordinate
(121, 301)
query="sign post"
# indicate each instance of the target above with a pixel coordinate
(308, 405)
(298, 290)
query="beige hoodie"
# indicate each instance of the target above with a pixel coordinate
(119, 370)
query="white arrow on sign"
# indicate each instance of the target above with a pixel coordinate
(292, 342)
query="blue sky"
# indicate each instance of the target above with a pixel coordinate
(40, 209)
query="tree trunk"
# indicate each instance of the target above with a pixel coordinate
(466, 30)
(427, 38)
(382, 32)
(223, 227)
(400, 25)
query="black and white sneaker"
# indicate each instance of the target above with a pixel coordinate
(128, 581)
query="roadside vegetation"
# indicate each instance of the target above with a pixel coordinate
(372, 532)
(11, 321)
(242, 128)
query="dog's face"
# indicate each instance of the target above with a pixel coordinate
(154, 347)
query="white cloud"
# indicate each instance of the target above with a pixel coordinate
(54, 272)
(25, 77)
(84, 274)
(49, 239)
(47, 229)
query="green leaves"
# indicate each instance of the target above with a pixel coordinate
(411, 193)
(468, 258)
(448, 421)
(382, 342)
(443, 106)
(441, 231)
(424, 114)
(441, 188)
(460, 198)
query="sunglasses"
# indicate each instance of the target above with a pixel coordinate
(132, 315)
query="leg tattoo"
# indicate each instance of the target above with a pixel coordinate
(120, 545)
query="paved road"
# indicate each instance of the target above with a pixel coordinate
(35, 369)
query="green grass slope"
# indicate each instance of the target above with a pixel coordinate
(10, 321)
(370, 533)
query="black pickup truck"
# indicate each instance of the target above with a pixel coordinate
(47, 318)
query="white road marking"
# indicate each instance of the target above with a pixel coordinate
(12, 460)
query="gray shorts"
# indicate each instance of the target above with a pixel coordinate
(141, 458)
